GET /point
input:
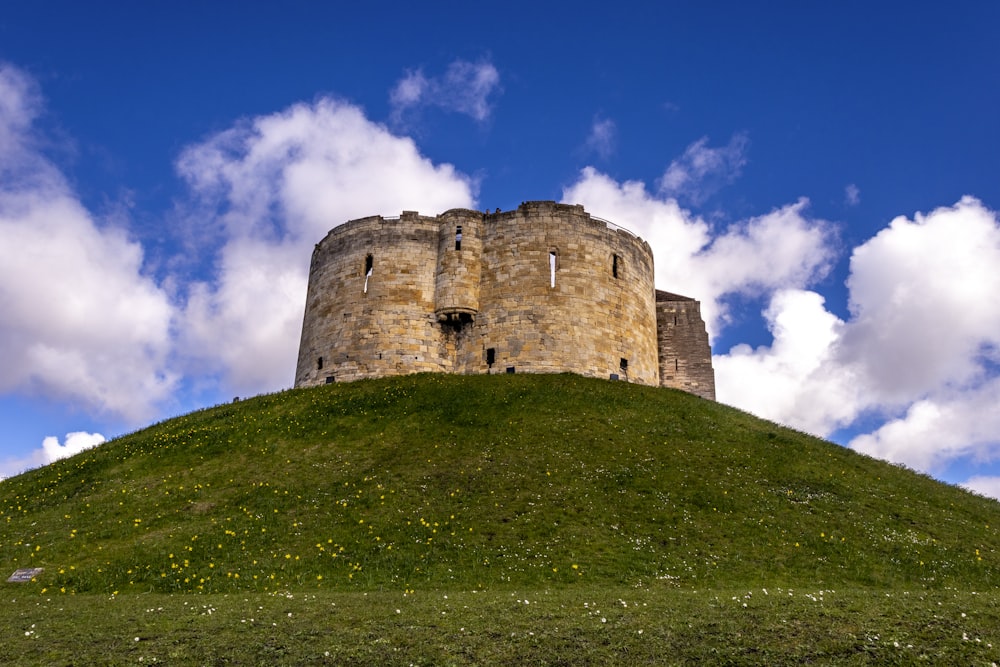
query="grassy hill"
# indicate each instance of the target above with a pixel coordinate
(488, 485)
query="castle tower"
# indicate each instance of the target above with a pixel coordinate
(544, 288)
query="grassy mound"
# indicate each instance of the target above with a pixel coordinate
(486, 482)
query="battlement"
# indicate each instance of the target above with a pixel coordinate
(545, 287)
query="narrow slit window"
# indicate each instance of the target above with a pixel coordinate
(614, 265)
(319, 364)
(553, 262)
(369, 267)
(458, 237)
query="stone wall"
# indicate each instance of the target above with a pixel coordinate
(370, 302)
(578, 317)
(543, 288)
(685, 355)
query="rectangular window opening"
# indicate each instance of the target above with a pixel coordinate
(369, 267)
(319, 364)
(614, 265)
(329, 379)
(458, 237)
(623, 364)
(491, 356)
(553, 261)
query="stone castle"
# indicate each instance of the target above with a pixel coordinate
(546, 288)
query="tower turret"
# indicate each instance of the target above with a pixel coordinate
(459, 266)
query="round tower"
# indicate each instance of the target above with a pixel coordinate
(545, 288)
(563, 291)
(370, 305)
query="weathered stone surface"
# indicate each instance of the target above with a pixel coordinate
(685, 355)
(544, 288)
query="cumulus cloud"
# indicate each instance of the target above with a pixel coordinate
(797, 380)
(782, 249)
(465, 88)
(81, 321)
(74, 444)
(919, 346)
(601, 139)
(51, 450)
(923, 300)
(274, 186)
(703, 170)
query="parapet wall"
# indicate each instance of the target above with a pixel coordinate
(543, 288)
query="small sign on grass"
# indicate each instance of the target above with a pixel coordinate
(25, 574)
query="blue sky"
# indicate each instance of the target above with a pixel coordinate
(822, 178)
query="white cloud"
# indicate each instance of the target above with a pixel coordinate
(950, 424)
(984, 485)
(50, 451)
(781, 249)
(923, 301)
(703, 170)
(80, 321)
(797, 380)
(852, 195)
(465, 88)
(409, 90)
(602, 137)
(923, 336)
(74, 444)
(275, 185)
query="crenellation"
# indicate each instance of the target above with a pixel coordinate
(468, 292)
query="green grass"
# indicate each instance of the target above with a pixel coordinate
(587, 625)
(553, 488)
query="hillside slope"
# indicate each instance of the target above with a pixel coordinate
(486, 481)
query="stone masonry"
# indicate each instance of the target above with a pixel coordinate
(684, 352)
(545, 288)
